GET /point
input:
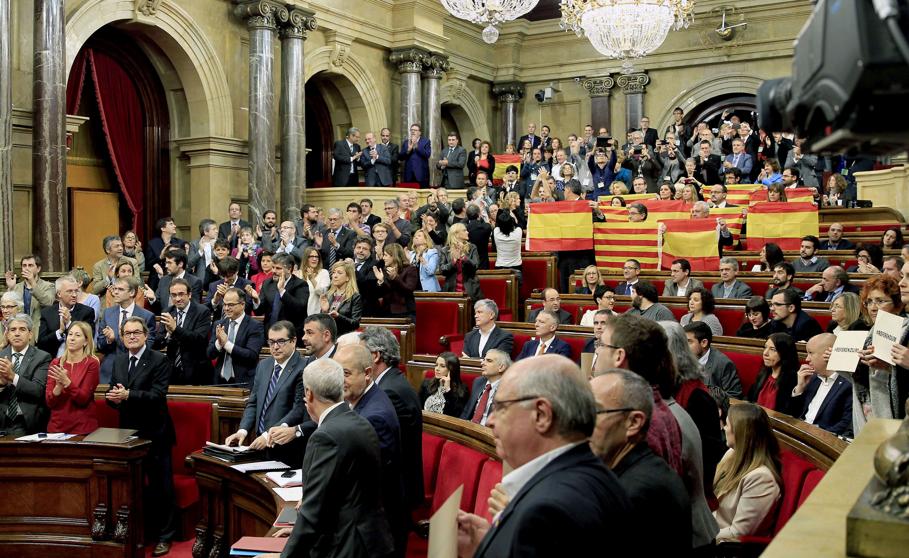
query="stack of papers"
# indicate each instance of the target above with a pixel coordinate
(254, 466)
(229, 449)
(41, 436)
(280, 478)
(287, 517)
(253, 546)
(290, 494)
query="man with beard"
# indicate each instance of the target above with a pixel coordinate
(646, 303)
(783, 275)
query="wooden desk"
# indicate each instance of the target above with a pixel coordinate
(234, 505)
(71, 498)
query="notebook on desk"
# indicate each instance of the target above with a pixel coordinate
(110, 435)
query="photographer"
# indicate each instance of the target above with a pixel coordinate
(671, 157)
(641, 162)
(602, 169)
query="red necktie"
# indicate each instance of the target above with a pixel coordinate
(481, 404)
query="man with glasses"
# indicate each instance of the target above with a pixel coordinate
(788, 316)
(479, 406)
(552, 302)
(415, 152)
(107, 341)
(143, 407)
(23, 378)
(235, 342)
(336, 242)
(399, 228)
(630, 271)
(560, 494)
(183, 334)
(290, 243)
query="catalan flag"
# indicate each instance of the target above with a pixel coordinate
(615, 242)
(558, 226)
(659, 210)
(740, 194)
(629, 198)
(783, 223)
(734, 220)
(692, 239)
(502, 163)
(801, 195)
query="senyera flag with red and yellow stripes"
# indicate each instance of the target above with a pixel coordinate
(733, 217)
(656, 209)
(783, 223)
(614, 242)
(740, 194)
(800, 195)
(502, 163)
(559, 226)
(692, 239)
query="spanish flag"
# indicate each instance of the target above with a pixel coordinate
(734, 218)
(801, 195)
(783, 223)
(559, 226)
(613, 214)
(502, 163)
(629, 198)
(692, 239)
(740, 194)
(659, 210)
(615, 242)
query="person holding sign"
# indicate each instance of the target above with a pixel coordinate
(822, 397)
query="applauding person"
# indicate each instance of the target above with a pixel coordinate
(342, 300)
(71, 382)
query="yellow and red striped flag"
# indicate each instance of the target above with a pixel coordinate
(658, 210)
(734, 220)
(783, 223)
(692, 239)
(616, 242)
(792, 195)
(502, 163)
(557, 226)
(614, 213)
(629, 198)
(740, 194)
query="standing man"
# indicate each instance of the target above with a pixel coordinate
(175, 264)
(235, 342)
(138, 390)
(399, 228)
(37, 294)
(23, 378)
(681, 131)
(108, 341)
(393, 152)
(346, 153)
(454, 157)
(739, 158)
(415, 152)
(707, 165)
(369, 218)
(376, 162)
(290, 243)
(103, 272)
(202, 252)
(230, 229)
(55, 319)
(283, 296)
(183, 334)
(154, 252)
(336, 242)
(535, 140)
(650, 134)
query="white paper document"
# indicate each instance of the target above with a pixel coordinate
(887, 330)
(255, 466)
(280, 478)
(443, 528)
(41, 436)
(844, 357)
(232, 449)
(290, 494)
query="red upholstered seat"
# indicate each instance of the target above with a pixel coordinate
(432, 451)
(186, 490)
(795, 470)
(435, 318)
(577, 345)
(709, 283)
(496, 288)
(489, 477)
(458, 465)
(812, 479)
(747, 366)
(192, 420)
(759, 288)
(108, 417)
(823, 318)
(678, 311)
(730, 319)
(803, 284)
(519, 340)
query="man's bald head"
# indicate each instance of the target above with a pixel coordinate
(816, 348)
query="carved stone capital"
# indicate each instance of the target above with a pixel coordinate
(598, 87)
(408, 60)
(632, 83)
(299, 23)
(340, 46)
(148, 8)
(435, 66)
(455, 83)
(508, 92)
(261, 14)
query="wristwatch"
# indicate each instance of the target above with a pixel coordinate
(298, 431)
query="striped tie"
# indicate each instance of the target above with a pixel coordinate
(12, 409)
(178, 359)
(269, 394)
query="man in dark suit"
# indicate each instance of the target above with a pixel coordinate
(479, 405)
(788, 316)
(658, 495)
(386, 353)
(452, 162)
(650, 134)
(835, 240)
(337, 241)
(235, 342)
(367, 283)
(720, 370)
(752, 144)
(55, 319)
(545, 340)
(107, 340)
(183, 334)
(230, 229)
(138, 389)
(552, 301)
(376, 161)
(415, 152)
(707, 165)
(167, 237)
(631, 271)
(560, 504)
(284, 295)
(23, 377)
(175, 264)
(531, 135)
(346, 153)
(290, 242)
(478, 233)
(822, 397)
(229, 278)
(393, 152)
(486, 336)
(341, 512)
(834, 281)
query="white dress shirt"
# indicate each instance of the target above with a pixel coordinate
(822, 391)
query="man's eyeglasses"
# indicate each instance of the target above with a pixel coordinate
(277, 343)
(778, 304)
(133, 333)
(619, 410)
(500, 405)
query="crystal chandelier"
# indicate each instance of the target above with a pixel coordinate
(490, 13)
(625, 29)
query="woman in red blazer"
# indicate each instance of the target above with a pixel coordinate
(71, 382)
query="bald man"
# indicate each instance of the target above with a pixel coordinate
(822, 397)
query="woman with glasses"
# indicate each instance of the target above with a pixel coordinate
(71, 382)
(778, 374)
(604, 297)
(319, 280)
(10, 305)
(869, 259)
(445, 393)
(342, 300)
(132, 248)
(847, 314)
(701, 305)
(757, 319)
(592, 279)
(380, 235)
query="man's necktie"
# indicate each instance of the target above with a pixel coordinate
(450, 151)
(12, 409)
(332, 255)
(132, 368)
(178, 359)
(481, 404)
(269, 395)
(276, 306)
(27, 300)
(541, 349)
(123, 319)
(227, 368)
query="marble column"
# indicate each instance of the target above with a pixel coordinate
(633, 86)
(51, 232)
(410, 63)
(262, 17)
(508, 95)
(6, 140)
(434, 67)
(600, 112)
(293, 111)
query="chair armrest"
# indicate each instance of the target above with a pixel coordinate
(447, 340)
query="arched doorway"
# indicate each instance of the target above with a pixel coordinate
(742, 105)
(455, 120)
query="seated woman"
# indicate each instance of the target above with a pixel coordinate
(71, 382)
(265, 269)
(747, 481)
(701, 305)
(689, 194)
(445, 392)
(778, 375)
(125, 269)
(771, 173)
(592, 279)
(776, 193)
(846, 314)
(870, 259)
(604, 297)
(892, 239)
(397, 283)
(771, 254)
(423, 254)
(342, 300)
(617, 201)
(85, 297)
(458, 264)
(757, 319)
(311, 271)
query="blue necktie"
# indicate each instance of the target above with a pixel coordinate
(269, 394)
(27, 300)
(276, 305)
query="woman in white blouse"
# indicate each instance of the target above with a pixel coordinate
(319, 279)
(508, 240)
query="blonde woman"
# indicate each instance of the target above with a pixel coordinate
(747, 480)
(397, 281)
(590, 281)
(618, 188)
(342, 301)
(423, 254)
(71, 382)
(846, 314)
(459, 262)
(311, 271)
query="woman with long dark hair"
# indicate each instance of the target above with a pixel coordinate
(445, 392)
(778, 375)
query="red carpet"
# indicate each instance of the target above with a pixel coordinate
(182, 549)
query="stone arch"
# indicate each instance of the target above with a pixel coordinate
(705, 90)
(358, 88)
(193, 57)
(469, 115)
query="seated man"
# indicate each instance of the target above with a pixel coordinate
(646, 304)
(545, 342)
(600, 319)
(486, 335)
(657, 494)
(835, 240)
(788, 316)
(479, 406)
(807, 261)
(729, 286)
(822, 397)
(893, 266)
(681, 283)
(720, 370)
(552, 302)
(783, 275)
(630, 271)
(23, 378)
(834, 281)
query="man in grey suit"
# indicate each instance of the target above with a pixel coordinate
(202, 251)
(452, 161)
(720, 370)
(36, 293)
(341, 511)
(729, 286)
(376, 161)
(23, 377)
(346, 153)
(681, 282)
(290, 243)
(393, 151)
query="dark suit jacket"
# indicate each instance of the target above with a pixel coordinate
(378, 173)
(349, 313)
(822, 296)
(804, 328)
(475, 392)
(146, 408)
(341, 512)
(708, 172)
(293, 303)
(623, 289)
(722, 373)
(341, 153)
(556, 347)
(835, 414)
(650, 137)
(410, 417)
(368, 287)
(393, 151)
(535, 141)
(282, 402)
(248, 341)
(162, 293)
(416, 162)
(225, 233)
(561, 511)
(29, 390)
(498, 339)
(240, 283)
(843, 244)
(346, 239)
(189, 341)
(111, 317)
(478, 233)
(565, 317)
(469, 266)
(50, 323)
(453, 173)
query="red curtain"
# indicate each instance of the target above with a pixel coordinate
(75, 83)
